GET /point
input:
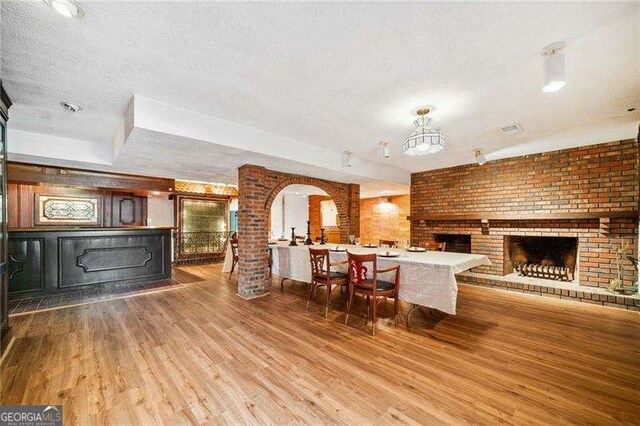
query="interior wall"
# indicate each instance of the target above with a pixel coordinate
(332, 233)
(296, 213)
(385, 218)
(22, 210)
(160, 211)
(257, 188)
(590, 193)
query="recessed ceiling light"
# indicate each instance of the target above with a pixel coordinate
(71, 107)
(66, 8)
(155, 192)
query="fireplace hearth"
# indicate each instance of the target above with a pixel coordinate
(552, 258)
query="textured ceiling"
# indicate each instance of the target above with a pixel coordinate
(341, 76)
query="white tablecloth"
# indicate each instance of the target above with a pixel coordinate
(426, 279)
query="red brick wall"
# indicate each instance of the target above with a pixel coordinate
(384, 220)
(257, 188)
(331, 233)
(598, 178)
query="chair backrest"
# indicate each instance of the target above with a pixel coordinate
(319, 258)
(435, 246)
(359, 272)
(388, 243)
(234, 247)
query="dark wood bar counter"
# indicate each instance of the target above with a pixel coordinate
(56, 259)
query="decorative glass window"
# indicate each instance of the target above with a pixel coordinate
(67, 210)
(204, 215)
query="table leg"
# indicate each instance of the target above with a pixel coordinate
(414, 308)
(417, 307)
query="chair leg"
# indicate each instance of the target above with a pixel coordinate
(233, 266)
(349, 303)
(312, 290)
(374, 319)
(327, 299)
(368, 310)
(395, 309)
(282, 284)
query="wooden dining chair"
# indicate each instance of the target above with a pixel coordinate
(324, 276)
(388, 243)
(374, 289)
(234, 254)
(270, 263)
(435, 246)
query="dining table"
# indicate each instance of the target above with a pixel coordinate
(427, 278)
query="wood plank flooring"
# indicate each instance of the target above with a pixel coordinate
(201, 355)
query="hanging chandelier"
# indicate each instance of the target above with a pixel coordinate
(424, 139)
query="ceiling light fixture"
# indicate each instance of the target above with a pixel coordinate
(347, 158)
(66, 8)
(385, 149)
(553, 74)
(424, 139)
(71, 107)
(480, 158)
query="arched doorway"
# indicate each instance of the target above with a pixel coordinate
(257, 188)
(300, 209)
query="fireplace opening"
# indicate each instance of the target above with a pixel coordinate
(459, 243)
(552, 258)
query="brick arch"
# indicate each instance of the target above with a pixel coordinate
(337, 195)
(257, 188)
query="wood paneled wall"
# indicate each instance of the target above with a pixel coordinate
(123, 197)
(118, 208)
(35, 174)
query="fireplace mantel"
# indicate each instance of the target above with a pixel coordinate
(633, 214)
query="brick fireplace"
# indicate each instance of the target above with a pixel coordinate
(584, 198)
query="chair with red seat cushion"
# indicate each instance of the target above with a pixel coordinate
(372, 288)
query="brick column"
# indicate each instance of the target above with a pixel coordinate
(253, 268)
(353, 199)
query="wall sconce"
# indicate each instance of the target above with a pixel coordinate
(347, 158)
(385, 149)
(386, 204)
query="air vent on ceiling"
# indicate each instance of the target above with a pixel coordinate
(512, 129)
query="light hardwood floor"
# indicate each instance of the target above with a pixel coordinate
(200, 354)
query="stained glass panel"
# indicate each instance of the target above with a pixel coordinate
(68, 210)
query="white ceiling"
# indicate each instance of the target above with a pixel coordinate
(327, 76)
(303, 190)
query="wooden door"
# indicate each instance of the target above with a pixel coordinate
(128, 210)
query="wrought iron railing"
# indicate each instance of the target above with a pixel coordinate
(199, 247)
